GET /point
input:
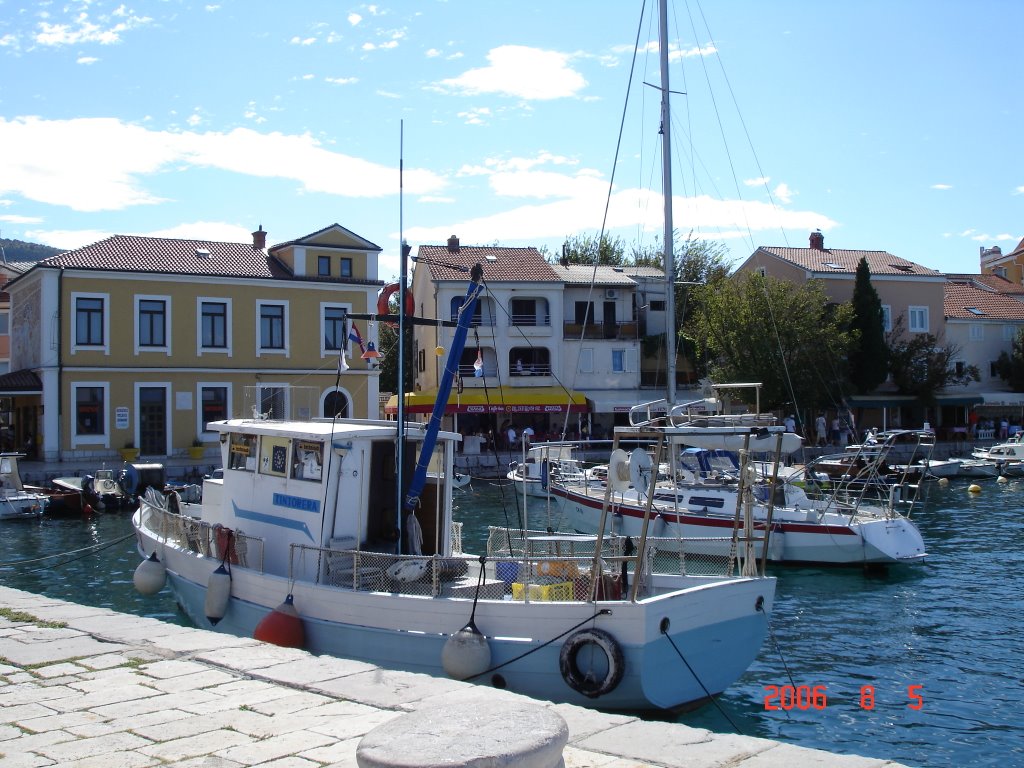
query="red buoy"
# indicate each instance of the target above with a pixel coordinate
(282, 626)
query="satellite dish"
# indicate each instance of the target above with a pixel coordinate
(618, 470)
(640, 470)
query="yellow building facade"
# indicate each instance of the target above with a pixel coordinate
(138, 343)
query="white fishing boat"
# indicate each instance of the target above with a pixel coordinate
(311, 539)
(856, 518)
(15, 500)
(530, 475)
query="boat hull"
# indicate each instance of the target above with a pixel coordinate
(718, 624)
(797, 536)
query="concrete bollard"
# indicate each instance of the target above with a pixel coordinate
(479, 734)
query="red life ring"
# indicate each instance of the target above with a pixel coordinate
(382, 301)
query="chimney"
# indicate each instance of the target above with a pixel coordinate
(817, 241)
(259, 239)
(453, 244)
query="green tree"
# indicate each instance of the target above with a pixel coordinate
(869, 354)
(922, 366)
(1010, 366)
(784, 335)
(585, 249)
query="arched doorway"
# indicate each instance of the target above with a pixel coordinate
(336, 405)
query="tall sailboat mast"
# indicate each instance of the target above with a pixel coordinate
(666, 161)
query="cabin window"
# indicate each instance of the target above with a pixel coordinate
(242, 452)
(274, 456)
(307, 460)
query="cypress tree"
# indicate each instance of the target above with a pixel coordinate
(869, 354)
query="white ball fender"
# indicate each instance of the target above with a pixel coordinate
(150, 576)
(466, 653)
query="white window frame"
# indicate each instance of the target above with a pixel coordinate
(976, 332)
(347, 345)
(921, 314)
(260, 349)
(105, 346)
(205, 435)
(1009, 332)
(621, 355)
(887, 318)
(102, 439)
(165, 348)
(226, 350)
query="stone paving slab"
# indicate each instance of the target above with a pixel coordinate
(118, 691)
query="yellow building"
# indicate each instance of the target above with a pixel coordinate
(141, 341)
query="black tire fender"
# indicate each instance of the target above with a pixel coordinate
(568, 662)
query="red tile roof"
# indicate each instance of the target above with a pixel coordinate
(988, 281)
(961, 298)
(844, 261)
(499, 263)
(131, 253)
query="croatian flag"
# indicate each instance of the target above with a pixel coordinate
(353, 335)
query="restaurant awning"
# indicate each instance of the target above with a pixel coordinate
(495, 400)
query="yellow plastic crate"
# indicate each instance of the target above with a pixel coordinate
(561, 591)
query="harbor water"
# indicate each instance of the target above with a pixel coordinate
(920, 665)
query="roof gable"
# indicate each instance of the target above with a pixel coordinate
(335, 236)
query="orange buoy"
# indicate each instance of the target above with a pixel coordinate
(282, 626)
(382, 301)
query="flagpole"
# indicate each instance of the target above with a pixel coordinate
(403, 272)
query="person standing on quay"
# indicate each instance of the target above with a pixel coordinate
(820, 430)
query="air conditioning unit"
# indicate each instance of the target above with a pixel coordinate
(611, 293)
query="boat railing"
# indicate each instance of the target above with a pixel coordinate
(210, 540)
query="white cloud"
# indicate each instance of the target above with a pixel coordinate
(86, 60)
(12, 219)
(341, 80)
(783, 193)
(520, 71)
(8, 41)
(432, 53)
(302, 40)
(193, 120)
(95, 164)
(942, 186)
(354, 19)
(763, 181)
(81, 30)
(476, 116)
(1019, 191)
(211, 8)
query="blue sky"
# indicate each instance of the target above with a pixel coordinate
(888, 125)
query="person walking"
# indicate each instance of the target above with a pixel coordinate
(820, 429)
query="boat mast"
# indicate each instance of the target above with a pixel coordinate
(666, 163)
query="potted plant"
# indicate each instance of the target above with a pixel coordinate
(129, 452)
(197, 448)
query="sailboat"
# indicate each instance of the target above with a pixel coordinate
(323, 535)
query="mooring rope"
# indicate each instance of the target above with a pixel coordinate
(707, 693)
(90, 550)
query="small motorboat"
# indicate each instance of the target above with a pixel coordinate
(16, 501)
(101, 491)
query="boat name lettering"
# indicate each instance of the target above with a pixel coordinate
(296, 502)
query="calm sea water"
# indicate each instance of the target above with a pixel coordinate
(950, 628)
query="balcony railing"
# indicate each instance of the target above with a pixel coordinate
(531, 319)
(621, 331)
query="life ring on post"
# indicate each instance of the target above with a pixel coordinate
(585, 682)
(385, 295)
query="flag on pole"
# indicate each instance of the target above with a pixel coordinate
(353, 335)
(478, 365)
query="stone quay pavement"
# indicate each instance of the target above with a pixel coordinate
(83, 686)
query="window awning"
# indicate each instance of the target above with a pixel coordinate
(495, 400)
(880, 401)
